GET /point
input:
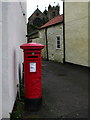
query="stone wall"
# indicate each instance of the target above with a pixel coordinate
(53, 53)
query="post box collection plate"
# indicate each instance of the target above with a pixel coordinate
(32, 66)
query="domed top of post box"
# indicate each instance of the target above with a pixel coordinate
(32, 45)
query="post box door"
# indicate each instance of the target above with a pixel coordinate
(33, 76)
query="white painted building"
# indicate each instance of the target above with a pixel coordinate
(76, 32)
(0, 61)
(12, 35)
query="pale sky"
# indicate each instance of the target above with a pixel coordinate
(32, 5)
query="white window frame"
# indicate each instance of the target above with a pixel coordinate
(60, 41)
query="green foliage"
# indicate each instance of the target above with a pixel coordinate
(18, 110)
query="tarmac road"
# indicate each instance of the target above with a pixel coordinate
(65, 91)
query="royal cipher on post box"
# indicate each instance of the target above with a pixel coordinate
(32, 75)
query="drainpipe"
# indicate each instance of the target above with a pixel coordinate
(64, 31)
(46, 42)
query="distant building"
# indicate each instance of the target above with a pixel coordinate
(53, 11)
(72, 36)
(51, 35)
(38, 18)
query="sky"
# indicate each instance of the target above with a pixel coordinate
(32, 5)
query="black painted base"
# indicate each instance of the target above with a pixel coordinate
(33, 104)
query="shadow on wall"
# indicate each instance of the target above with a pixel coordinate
(21, 81)
(14, 77)
(14, 69)
(18, 76)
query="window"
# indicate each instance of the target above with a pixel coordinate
(37, 22)
(58, 42)
(53, 14)
(37, 14)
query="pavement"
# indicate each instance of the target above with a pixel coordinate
(65, 91)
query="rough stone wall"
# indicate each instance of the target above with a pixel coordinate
(42, 40)
(54, 53)
(42, 37)
(76, 33)
(51, 10)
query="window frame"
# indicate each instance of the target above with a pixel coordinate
(57, 41)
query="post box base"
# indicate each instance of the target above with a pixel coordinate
(33, 104)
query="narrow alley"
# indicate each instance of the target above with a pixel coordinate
(65, 92)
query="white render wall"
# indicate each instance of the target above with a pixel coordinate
(13, 35)
(76, 33)
(0, 60)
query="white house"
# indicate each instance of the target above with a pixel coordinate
(12, 35)
(76, 32)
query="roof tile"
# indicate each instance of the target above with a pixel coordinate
(53, 21)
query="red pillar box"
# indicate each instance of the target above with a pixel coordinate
(32, 75)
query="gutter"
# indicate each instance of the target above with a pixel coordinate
(51, 25)
(64, 31)
(46, 42)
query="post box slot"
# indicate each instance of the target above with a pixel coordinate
(32, 56)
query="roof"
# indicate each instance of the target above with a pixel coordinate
(32, 25)
(32, 33)
(37, 10)
(53, 21)
(31, 46)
